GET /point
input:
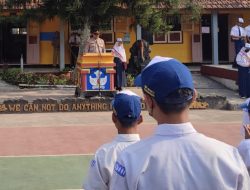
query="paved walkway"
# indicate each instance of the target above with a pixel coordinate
(205, 87)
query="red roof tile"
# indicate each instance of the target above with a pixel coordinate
(223, 4)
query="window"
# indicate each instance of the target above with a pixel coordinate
(172, 36)
(106, 26)
(107, 33)
(160, 37)
(175, 37)
(19, 31)
(108, 37)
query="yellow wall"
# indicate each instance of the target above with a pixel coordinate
(182, 52)
(46, 49)
(246, 17)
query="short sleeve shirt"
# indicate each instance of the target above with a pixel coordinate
(247, 29)
(95, 46)
(177, 157)
(101, 167)
(237, 31)
(244, 150)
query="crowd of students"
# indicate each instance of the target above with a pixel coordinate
(176, 156)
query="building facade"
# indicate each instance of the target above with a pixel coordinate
(203, 42)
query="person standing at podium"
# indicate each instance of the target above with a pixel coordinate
(95, 44)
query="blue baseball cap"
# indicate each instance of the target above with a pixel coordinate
(127, 106)
(246, 106)
(164, 75)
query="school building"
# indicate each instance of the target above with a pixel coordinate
(207, 41)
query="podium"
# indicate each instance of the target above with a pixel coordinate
(95, 75)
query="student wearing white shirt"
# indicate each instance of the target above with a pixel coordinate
(176, 156)
(244, 146)
(120, 64)
(74, 42)
(126, 117)
(243, 61)
(247, 30)
(238, 35)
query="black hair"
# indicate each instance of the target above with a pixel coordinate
(177, 101)
(128, 124)
(94, 29)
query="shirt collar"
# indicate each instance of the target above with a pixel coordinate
(127, 137)
(175, 129)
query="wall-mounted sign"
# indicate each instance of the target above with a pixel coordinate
(205, 29)
(126, 38)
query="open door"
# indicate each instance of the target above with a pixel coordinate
(222, 38)
(13, 42)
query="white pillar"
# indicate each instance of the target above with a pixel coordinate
(215, 42)
(138, 32)
(62, 46)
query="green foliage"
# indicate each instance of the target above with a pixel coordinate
(130, 80)
(151, 14)
(10, 75)
(14, 76)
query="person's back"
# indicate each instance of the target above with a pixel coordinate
(244, 146)
(126, 117)
(176, 156)
(181, 160)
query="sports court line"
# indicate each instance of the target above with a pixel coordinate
(34, 156)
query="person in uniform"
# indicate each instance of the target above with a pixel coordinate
(243, 61)
(244, 146)
(126, 117)
(120, 64)
(238, 35)
(95, 44)
(74, 42)
(176, 156)
(247, 30)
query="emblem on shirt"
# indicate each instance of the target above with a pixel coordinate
(92, 163)
(99, 80)
(119, 169)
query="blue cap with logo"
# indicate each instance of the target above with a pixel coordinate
(127, 106)
(164, 75)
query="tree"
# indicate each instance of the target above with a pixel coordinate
(150, 14)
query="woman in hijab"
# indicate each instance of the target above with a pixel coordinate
(121, 64)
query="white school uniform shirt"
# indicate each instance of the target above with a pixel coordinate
(247, 30)
(179, 158)
(244, 150)
(243, 58)
(235, 31)
(245, 119)
(102, 165)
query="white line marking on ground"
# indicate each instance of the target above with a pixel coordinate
(59, 155)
